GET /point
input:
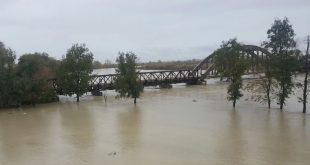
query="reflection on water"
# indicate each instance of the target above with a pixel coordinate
(233, 137)
(78, 131)
(182, 125)
(129, 123)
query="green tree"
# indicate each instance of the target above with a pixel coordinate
(282, 45)
(75, 71)
(304, 85)
(33, 72)
(230, 63)
(7, 77)
(126, 83)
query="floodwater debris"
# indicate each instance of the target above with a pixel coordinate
(112, 153)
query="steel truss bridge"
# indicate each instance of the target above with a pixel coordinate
(205, 69)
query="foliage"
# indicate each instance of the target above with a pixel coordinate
(97, 65)
(230, 64)
(301, 87)
(25, 83)
(305, 85)
(262, 89)
(7, 77)
(126, 83)
(170, 65)
(282, 45)
(74, 72)
(33, 72)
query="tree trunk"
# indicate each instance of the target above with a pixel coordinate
(282, 97)
(269, 81)
(304, 101)
(268, 101)
(135, 100)
(281, 103)
(234, 103)
(268, 94)
(78, 90)
(304, 109)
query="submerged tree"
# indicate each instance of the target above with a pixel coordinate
(8, 95)
(230, 64)
(75, 71)
(263, 88)
(282, 45)
(25, 82)
(126, 83)
(33, 71)
(305, 90)
(304, 85)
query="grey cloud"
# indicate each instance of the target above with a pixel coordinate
(161, 29)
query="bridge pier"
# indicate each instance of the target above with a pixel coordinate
(96, 93)
(165, 86)
(195, 82)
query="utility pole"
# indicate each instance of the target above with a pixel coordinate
(306, 77)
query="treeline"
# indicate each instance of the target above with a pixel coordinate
(154, 65)
(279, 67)
(30, 80)
(170, 65)
(107, 64)
(25, 82)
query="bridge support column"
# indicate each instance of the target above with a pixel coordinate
(96, 93)
(195, 82)
(165, 86)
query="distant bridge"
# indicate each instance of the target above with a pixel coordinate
(254, 54)
(205, 69)
(156, 78)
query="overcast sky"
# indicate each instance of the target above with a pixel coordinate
(153, 29)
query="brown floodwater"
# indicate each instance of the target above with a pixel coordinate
(183, 125)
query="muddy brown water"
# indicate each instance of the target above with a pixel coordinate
(183, 125)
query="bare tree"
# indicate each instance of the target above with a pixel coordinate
(305, 86)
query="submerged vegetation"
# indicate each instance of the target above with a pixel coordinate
(279, 66)
(126, 83)
(230, 64)
(75, 71)
(26, 81)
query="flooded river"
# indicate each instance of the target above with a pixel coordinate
(183, 125)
